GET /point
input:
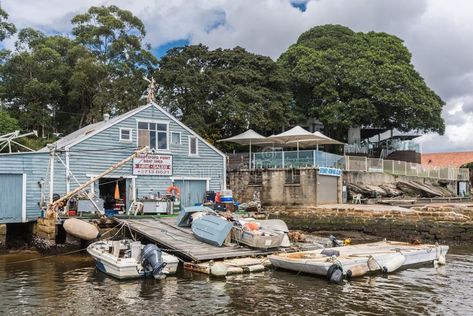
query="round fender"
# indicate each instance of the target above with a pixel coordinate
(335, 273)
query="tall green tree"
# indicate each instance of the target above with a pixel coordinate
(223, 92)
(8, 124)
(6, 28)
(349, 79)
(115, 37)
(47, 81)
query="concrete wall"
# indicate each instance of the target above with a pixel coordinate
(450, 224)
(274, 191)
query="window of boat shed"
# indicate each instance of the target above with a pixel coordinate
(153, 134)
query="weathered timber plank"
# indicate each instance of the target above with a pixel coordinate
(182, 242)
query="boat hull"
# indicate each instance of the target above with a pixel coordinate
(126, 268)
(253, 240)
(211, 229)
(393, 255)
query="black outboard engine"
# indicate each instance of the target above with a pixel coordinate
(335, 241)
(152, 261)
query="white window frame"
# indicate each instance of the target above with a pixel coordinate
(126, 140)
(180, 138)
(157, 122)
(196, 145)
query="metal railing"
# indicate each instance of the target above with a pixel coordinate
(313, 158)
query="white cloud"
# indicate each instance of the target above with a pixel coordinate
(438, 33)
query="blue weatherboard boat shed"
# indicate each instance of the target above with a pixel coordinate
(178, 154)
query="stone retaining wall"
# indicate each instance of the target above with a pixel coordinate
(450, 225)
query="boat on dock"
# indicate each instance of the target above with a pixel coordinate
(211, 229)
(184, 219)
(357, 260)
(259, 239)
(128, 259)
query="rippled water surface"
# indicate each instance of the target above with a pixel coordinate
(70, 285)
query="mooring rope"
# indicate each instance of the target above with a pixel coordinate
(46, 257)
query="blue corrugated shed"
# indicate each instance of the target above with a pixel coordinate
(94, 148)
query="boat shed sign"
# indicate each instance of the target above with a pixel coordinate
(152, 165)
(336, 172)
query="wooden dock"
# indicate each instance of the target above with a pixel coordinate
(181, 242)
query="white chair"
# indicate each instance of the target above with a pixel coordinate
(356, 199)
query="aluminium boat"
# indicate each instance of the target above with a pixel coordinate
(211, 229)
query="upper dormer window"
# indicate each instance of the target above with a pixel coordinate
(193, 146)
(175, 138)
(125, 134)
(153, 134)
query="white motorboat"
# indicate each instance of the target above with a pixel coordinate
(128, 259)
(357, 260)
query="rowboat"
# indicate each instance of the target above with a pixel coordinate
(357, 260)
(259, 239)
(184, 219)
(128, 259)
(211, 229)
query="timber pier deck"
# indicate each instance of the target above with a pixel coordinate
(181, 242)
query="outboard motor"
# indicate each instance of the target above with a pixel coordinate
(335, 241)
(152, 261)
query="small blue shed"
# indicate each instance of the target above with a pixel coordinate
(178, 154)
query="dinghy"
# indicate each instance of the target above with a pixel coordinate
(357, 260)
(184, 219)
(257, 238)
(278, 226)
(211, 229)
(128, 259)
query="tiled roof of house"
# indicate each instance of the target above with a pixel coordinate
(452, 159)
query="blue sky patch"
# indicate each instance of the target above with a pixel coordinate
(300, 4)
(160, 51)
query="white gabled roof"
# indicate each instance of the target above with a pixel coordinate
(90, 130)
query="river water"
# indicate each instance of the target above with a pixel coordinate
(70, 285)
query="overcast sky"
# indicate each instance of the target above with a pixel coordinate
(439, 33)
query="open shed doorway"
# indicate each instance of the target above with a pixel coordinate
(107, 193)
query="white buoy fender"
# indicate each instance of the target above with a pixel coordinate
(442, 260)
(386, 263)
(80, 229)
(218, 269)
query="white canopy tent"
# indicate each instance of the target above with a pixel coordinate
(296, 135)
(322, 140)
(250, 137)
